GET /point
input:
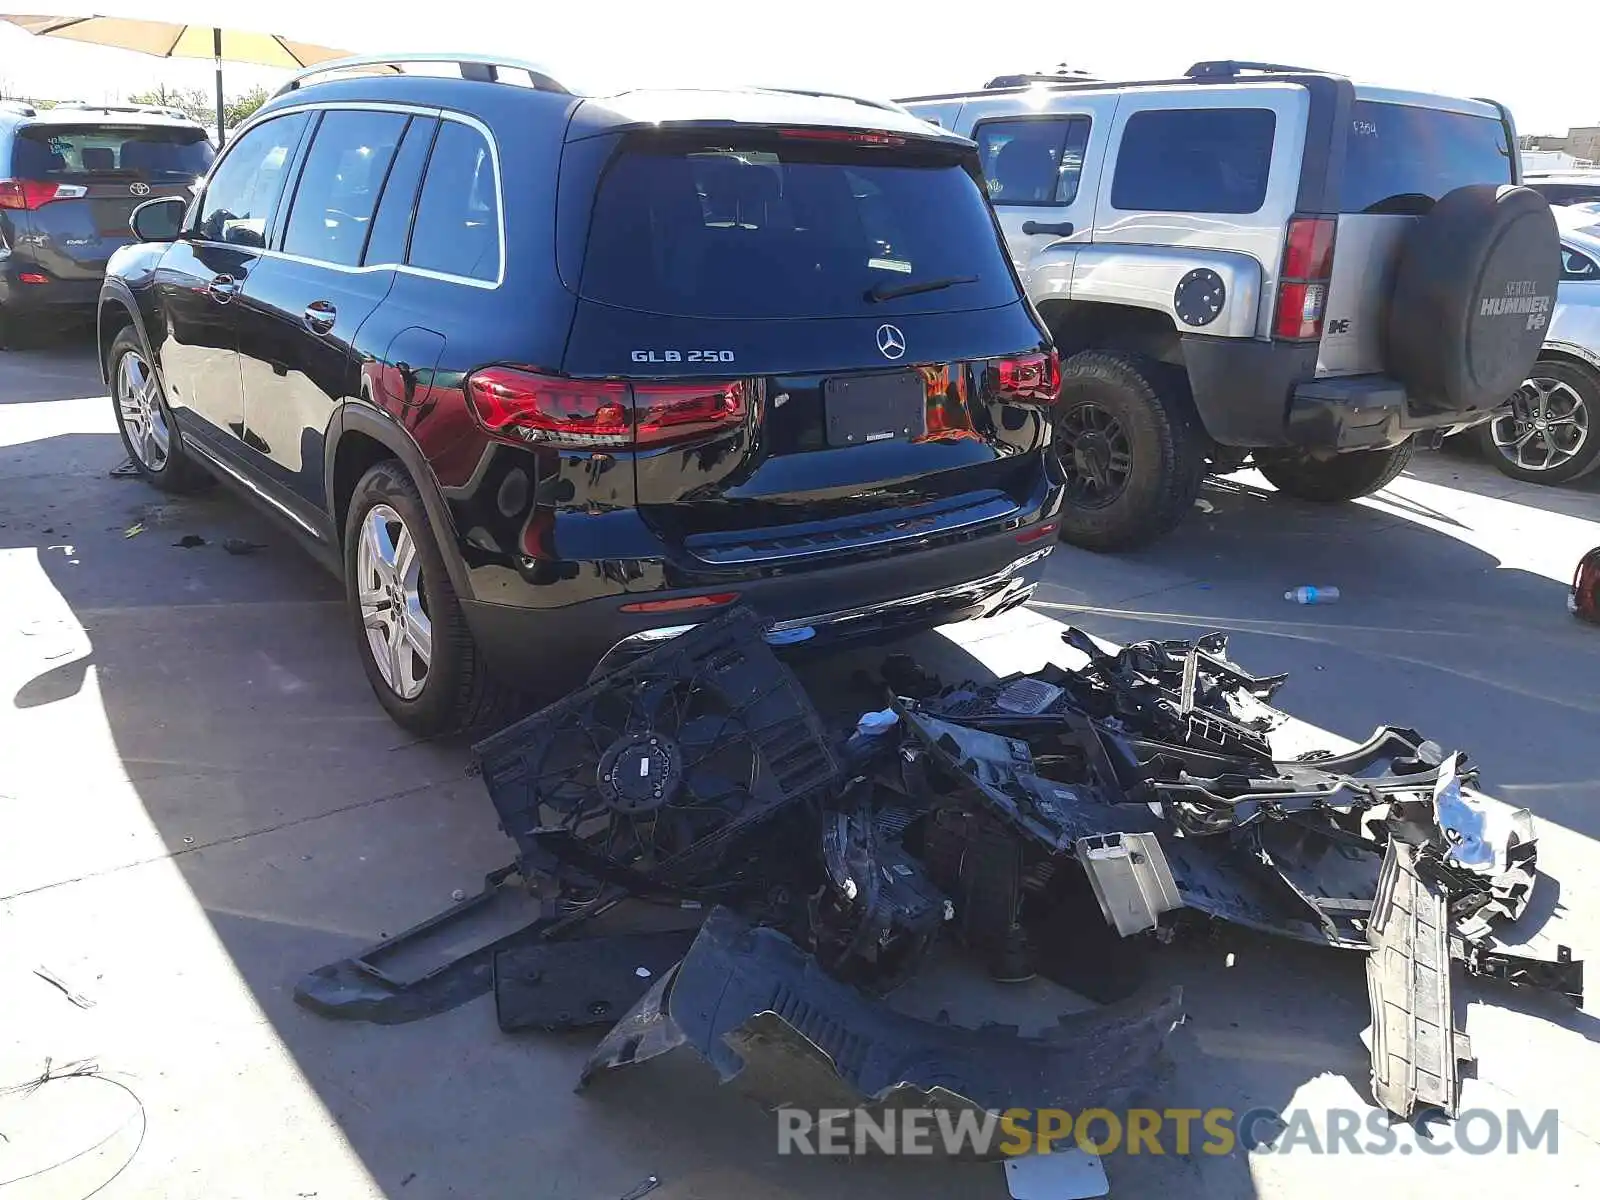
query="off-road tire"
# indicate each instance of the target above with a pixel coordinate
(1151, 402)
(459, 692)
(182, 471)
(1333, 480)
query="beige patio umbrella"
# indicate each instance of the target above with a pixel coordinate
(166, 39)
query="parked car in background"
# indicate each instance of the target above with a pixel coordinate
(1550, 432)
(1259, 260)
(547, 377)
(1566, 187)
(70, 177)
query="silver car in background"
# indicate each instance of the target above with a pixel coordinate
(1550, 432)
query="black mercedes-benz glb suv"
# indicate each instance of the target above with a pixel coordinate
(548, 376)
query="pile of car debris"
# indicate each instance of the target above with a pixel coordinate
(700, 777)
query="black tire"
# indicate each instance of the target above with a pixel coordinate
(176, 470)
(1570, 392)
(458, 691)
(1333, 480)
(1147, 404)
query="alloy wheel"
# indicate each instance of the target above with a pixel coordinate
(142, 414)
(1546, 426)
(1096, 454)
(393, 606)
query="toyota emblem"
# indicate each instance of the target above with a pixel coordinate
(891, 342)
(139, 189)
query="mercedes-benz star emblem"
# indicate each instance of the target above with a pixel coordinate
(891, 342)
(139, 189)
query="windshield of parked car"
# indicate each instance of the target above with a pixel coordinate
(791, 227)
(86, 153)
(1401, 159)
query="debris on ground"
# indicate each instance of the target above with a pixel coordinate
(133, 530)
(1583, 597)
(236, 545)
(1054, 823)
(1062, 1174)
(189, 541)
(61, 985)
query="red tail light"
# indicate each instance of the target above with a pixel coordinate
(1303, 282)
(583, 414)
(1030, 378)
(26, 194)
(673, 412)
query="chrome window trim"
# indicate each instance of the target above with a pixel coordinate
(415, 110)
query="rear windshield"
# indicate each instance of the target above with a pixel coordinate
(87, 152)
(1401, 159)
(785, 228)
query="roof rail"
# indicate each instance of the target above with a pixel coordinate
(482, 68)
(1227, 68)
(885, 105)
(160, 110)
(20, 107)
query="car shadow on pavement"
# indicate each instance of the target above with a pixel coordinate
(306, 826)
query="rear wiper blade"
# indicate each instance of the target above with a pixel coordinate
(882, 292)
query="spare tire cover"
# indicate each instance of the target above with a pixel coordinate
(1474, 290)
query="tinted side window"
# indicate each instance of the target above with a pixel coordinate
(1033, 161)
(350, 153)
(1400, 159)
(391, 226)
(1579, 268)
(241, 195)
(1194, 160)
(457, 230)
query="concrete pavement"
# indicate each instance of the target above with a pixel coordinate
(199, 800)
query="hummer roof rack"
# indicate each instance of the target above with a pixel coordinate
(1030, 77)
(1228, 68)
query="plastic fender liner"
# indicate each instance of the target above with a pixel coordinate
(762, 1012)
(1416, 1048)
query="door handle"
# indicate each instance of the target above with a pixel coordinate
(320, 315)
(222, 288)
(1059, 228)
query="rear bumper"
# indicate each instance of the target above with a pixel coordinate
(817, 607)
(19, 298)
(1253, 394)
(1364, 412)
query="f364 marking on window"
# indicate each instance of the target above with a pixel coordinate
(683, 356)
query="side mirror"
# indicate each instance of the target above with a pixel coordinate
(159, 220)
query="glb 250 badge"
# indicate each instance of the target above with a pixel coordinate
(682, 356)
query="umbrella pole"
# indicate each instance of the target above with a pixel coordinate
(216, 49)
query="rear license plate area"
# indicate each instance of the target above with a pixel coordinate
(859, 409)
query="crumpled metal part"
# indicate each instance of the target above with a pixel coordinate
(766, 1016)
(1463, 824)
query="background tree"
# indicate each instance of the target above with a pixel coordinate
(243, 106)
